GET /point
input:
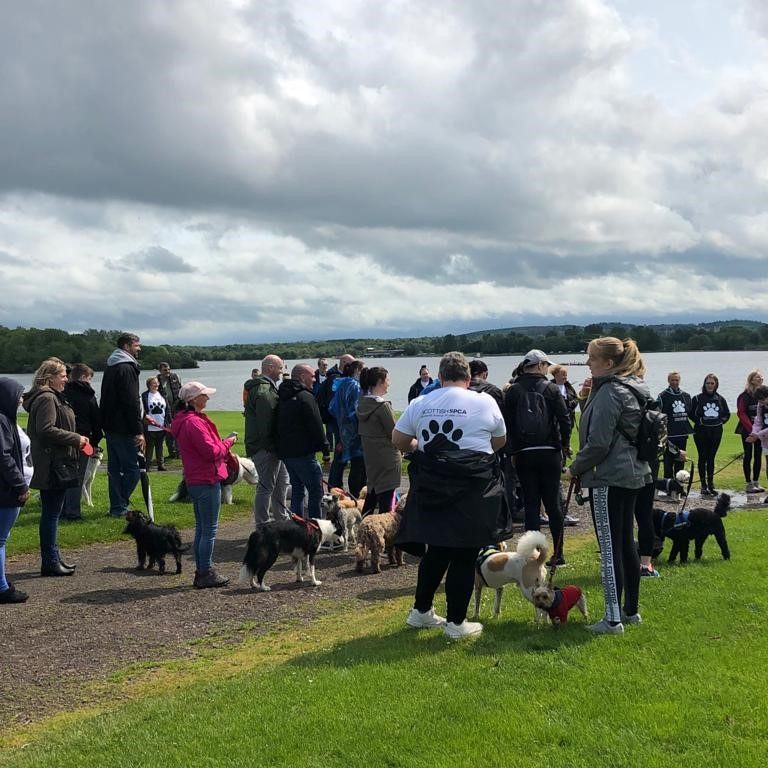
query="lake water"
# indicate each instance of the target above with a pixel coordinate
(730, 367)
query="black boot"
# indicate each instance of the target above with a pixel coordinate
(55, 569)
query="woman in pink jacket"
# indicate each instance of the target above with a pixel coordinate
(203, 455)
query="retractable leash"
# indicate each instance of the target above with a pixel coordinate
(346, 493)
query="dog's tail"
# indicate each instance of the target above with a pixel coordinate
(248, 569)
(533, 544)
(722, 505)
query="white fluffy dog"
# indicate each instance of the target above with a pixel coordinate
(90, 472)
(525, 567)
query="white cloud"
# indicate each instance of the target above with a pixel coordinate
(209, 171)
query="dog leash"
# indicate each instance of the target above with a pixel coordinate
(559, 545)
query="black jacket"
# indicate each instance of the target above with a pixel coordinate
(82, 398)
(417, 388)
(560, 434)
(677, 406)
(456, 499)
(325, 393)
(709, 410)
(481, 385)
(12, 483)
(120, 405)
(299, 428)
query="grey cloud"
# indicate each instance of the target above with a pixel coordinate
(152, 259)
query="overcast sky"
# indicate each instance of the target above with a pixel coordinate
(212, 172)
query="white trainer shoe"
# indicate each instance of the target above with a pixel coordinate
(602, 627)
(465, 629)
(635, 618)
(427, 619)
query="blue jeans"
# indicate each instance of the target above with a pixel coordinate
(8, 517)
(52, 504)
(336, 472)
(206, 500)
(305, 472)
(122, 470)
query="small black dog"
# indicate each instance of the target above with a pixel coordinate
(695, 525)
(153, 541)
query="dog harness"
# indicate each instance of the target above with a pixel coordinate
(310, 525)
(672, 521)
(482, 556)
(565, 599)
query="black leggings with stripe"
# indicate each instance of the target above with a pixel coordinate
(613, 512)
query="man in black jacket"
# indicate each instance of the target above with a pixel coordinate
(121, 420)
(170, 385)
(300, 434)
(480, 383)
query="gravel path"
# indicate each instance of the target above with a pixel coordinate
(108, 615)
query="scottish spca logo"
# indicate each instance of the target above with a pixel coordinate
(444, 412)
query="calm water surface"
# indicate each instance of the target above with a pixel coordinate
(730, 367)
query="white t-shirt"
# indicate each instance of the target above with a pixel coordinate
(453, 418)
(26, 455)
(156, 410)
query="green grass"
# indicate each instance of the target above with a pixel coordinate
(685, 688)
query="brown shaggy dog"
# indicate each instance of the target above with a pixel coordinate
(377, 534)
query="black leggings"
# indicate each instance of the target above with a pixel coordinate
(539, 474)
(753, 455)
(459, 562)
(644, 519)
(613, 509)
(154, 440)
(384, 500)
(707, 441)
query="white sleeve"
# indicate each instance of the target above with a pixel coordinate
(405, 423)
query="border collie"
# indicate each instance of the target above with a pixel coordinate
(296, 537)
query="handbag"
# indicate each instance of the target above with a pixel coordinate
(64, 474)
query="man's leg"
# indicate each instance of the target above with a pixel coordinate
(279, 502)
(122, 471)
(267, 467)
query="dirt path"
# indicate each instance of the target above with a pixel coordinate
(82, 628)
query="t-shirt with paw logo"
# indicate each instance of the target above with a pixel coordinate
(452, 419)
(156, 407)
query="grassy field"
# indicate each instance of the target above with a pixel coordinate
(685, 688)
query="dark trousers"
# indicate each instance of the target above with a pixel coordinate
(336, 471)
(613, 510)
(457, 564)
(672, 461)
(356, 479)
(707, 441)
(51, 506)
(154, 440)
(644, 519)
(753, 458)
(539, 474)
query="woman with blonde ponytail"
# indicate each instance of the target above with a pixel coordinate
(607, 464)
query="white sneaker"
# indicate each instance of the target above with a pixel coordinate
(604, 628)
(750, 488)
(635, 618)
(465, 629)
(427, 619)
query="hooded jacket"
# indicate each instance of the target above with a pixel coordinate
(120, 405)
(343, 408)
(383, 462)
(299, 428)
(12, 483)
(51, 430)
(709, 410)
(203, 452)
(260, 407)
(82, 398)
(677, 405)
(606, 457)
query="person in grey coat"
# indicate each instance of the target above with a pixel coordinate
(608, 465)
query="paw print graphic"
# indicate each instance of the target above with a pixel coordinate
(436, 438)
(711, 411)
(678, 406)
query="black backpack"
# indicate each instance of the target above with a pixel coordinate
(651, 436)
(533, 419)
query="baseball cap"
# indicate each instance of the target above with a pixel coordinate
(534, 357)
(192, 389)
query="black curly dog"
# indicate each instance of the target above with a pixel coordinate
(697, 526)
(153, 541)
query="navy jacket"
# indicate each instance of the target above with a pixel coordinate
(12, 483)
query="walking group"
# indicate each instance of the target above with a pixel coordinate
(479, 455)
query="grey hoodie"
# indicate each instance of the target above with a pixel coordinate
(606, 457)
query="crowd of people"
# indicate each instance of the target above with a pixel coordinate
(480, 455)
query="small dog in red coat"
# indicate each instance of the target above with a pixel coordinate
(556, 602)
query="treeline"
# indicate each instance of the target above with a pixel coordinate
(22, 349)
